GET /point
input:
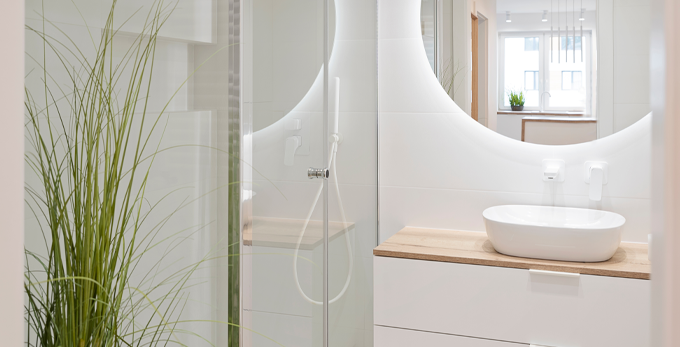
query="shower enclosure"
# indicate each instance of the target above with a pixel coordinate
(261, 194)
(308, 122)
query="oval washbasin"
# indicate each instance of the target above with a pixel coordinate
(555, 233)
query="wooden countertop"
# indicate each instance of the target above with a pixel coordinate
(465, 247)
(284, 233)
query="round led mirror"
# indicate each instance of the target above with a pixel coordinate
(543, 71)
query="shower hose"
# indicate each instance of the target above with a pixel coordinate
(332, 165)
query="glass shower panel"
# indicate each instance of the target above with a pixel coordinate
(283, 103)
(353, 199)
(178, 112)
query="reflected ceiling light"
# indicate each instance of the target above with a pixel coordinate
(582, 18)
(507, 17)
(545, 16)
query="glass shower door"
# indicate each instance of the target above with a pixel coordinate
(284, 97)
(309, 102)
(132, 92)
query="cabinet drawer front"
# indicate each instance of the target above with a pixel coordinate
(395, 337)
(511, 304)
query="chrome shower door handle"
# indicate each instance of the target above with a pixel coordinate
(318, 173)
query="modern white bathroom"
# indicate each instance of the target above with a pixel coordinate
(346, 173)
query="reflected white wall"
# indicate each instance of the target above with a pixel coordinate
(624, 34)
(632, 39)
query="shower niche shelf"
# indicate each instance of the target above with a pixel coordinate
(284, 233)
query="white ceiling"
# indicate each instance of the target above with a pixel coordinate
(538, 6)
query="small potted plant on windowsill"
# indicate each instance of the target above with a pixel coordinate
(516, 100)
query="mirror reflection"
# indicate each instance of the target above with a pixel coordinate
(287, 54)
(543, 71)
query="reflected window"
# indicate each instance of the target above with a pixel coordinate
(531, 43)
(530, 80)
(558, 80)
(567, 43)
(571, 80)
(522, 69)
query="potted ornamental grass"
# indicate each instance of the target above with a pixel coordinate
(516, 99)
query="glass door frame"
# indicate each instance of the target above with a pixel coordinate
(240, 130)
(239, 205)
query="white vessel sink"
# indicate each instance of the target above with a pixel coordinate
(556, 233)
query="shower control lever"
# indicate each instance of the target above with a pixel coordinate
(313, 172)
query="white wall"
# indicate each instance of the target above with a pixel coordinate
(440, 169)
(665, 84)
(12, 175)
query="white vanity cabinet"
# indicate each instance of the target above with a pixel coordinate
(445, 303)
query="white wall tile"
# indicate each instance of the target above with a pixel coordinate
(273, 284)
(462, 209)
(275, 330)
(368, 337)
(356, 154)
(192, 20)
(452, 151)
(362, 14)
(403, 12)
(407, 83)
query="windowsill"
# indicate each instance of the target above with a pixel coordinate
(539, 113)
(559, 119)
